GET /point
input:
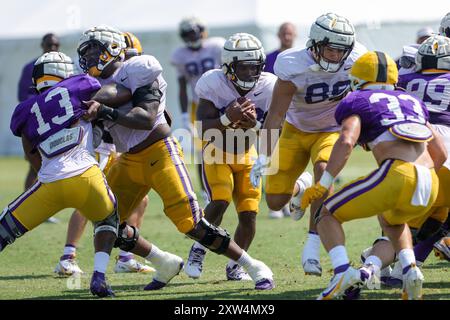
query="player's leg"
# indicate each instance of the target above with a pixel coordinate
(126, 261)
(90, 194)
(181, 206)
(131, 178)
(67, 264)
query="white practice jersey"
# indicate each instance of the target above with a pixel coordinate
(312, 107)
(191, 64)
(215, 87)
(72, 162)
(135, 73)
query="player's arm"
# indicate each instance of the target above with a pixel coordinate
(142, 116)
(113, 95)
(351, 129)
(31, 154)
(283, 92)
(210, 116)
(437, 149)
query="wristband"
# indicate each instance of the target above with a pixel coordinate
(108, 113)
(326, 180)
(224, 120)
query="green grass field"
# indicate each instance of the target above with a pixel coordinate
(26, 267)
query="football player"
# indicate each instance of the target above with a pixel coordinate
(58, 143)
(151, 158)
(228, 97)
(310, 84)
(394, 126)
(105, 154)
(198, 55)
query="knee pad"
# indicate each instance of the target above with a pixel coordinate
(125, 242)
(212, 234)
(110, 223)
(10, 229)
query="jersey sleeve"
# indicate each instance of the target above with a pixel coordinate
(87, 86)
(283, 66)
(346, 108)
(143, 70)
(17, 120)
(205, 87)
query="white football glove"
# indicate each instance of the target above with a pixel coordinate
(258, 169)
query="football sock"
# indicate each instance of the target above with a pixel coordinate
(406, 257)
(101, 260)
(155, 255)
(69, 250)
(423, 249)
(339, 259)
(312, 247)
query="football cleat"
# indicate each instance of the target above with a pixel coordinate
(237, 273)
(304, 181)
(261, 275)
(367, 275)
(312, 267)
(194, 265)
(131, 265)
(442, 249)
(286, 211)
(99, 286)
(412, 283)
(165, 271)
(339, 283)
(67, 266)
(385, 273)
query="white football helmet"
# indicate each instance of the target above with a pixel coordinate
(333, 31)
(434, 53)
(109, 45)
(191, 31)
(243, 48)
(444, 27)
(51, 68)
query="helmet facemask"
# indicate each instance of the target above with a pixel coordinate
(94, 57)
(328, 65)
(245, 74)
(192, 37)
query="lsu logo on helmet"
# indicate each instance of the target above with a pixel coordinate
(51, 68)
(375, 68)
(98, 47)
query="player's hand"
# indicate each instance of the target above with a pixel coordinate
(258, 169)
(311, 194)
(91, 112)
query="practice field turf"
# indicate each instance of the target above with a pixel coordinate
(26, 267)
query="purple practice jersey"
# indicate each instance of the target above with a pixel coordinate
(379, 110)
(434, 90)
(57, 108)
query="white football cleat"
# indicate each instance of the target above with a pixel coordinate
(166, 269)
(194, 265)
(131, 265)
(312, 267)
(261, 275)
(275, 214)
(385, 273)
(412, 284)
(304, 181)
(237, 273)
(340, 282)
(68, 267)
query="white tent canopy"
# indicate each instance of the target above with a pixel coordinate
(65, 17)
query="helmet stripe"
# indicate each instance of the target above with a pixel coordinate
(382, 67)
